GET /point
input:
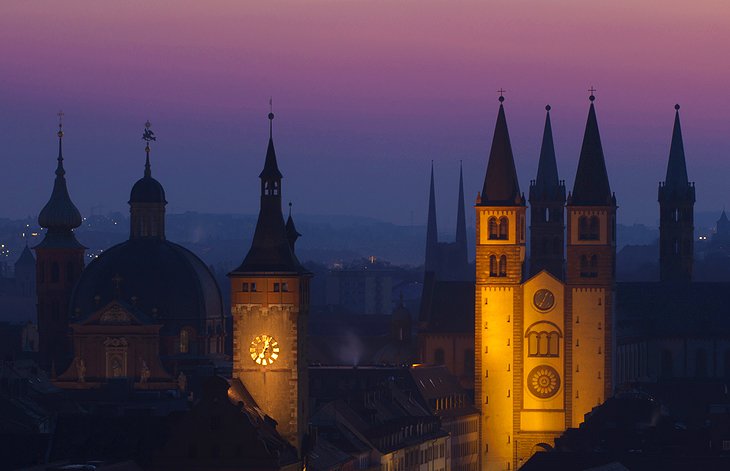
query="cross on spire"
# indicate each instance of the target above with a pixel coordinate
(60, 123)
(501, 94)
(592, 90)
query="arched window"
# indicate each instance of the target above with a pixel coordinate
(546, 215)
(584, 266)
(184, 341)
(503, 228)
(583, 228)
(543, 340)
(55, 272)
(701, 363)
(594, 266)
(595, 228)
(438, 356)
(503, 265)
(493, 229)
(492, 265)
(666, 369)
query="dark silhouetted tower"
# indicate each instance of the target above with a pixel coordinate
(547, 206)
(59, 262)
(147, 203)
(432, 250)
(676, 214)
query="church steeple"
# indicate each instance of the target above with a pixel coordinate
(431, 263)
(676, 214)
(59, 262)
(591, 187)
(501, 187)
(461, 244)
(547, 200)
(291, 231)
(271, 250)
(147, 199)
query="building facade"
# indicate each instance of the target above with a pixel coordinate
(543, 342)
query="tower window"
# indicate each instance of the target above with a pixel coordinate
(503, 265)
(253, 287)
(543, 340)
(277, 287)
(492, 265)
(589, 228)
(503, 228)
(245, 287)
(493, 228)
(284, 287)
(588, 266)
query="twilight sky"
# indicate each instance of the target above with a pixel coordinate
(366, 94)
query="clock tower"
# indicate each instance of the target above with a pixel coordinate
(269, 304)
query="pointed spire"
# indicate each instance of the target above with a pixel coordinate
(501, 187)
(291, 231)
(431, 263)
(677, 166)
(60, 214)
(547, 182)
(271, 168)
(461, 219)
(591, 187)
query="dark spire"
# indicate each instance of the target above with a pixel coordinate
(461, 220)
(501, 187)
(591, 187)
(547, 182)
(271, 168)
(431, 263)
(60, 214)
(291, 231)
(677, 167)
(271, 250)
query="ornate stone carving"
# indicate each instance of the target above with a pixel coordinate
(115, 314)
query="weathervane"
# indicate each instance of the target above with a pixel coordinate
(148, 135)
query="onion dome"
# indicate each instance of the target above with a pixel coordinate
(147, 189)
(60, 214)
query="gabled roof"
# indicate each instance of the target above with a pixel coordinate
(591, 187)
(118, 313)
(501, 187)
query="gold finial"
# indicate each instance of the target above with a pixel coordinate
(60, 123)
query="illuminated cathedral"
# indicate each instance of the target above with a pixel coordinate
(543, 338)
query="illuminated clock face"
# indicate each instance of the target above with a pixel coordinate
(543, 381)
(264, 350)
(544, 299)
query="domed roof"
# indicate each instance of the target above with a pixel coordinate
(60, 212)
(147, 189)
(162, 279)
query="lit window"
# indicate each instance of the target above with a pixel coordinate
(253, 287)
(276, 287)
(244, 287)
(493, 229)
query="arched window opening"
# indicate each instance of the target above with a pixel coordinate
(595, 228)
(547, 215)
(184, 341)
(439, 356)
(503, 228)
(493, 229)
(543, 340)
(503, 265)
(492, 265)
(583, 228)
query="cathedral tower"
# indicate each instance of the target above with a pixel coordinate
(432, 239)
(547, 206)
(270, 304)
(147, 200)
(676, 214)
(500, 255)
(590, 272)
(59, 262)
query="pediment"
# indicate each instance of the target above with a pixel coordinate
(116, 313)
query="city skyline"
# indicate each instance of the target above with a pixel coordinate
(361, 107)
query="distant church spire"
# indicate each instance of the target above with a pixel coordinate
(431, 264)
(501, 187)
(461, 244)
(676, 213)
(547, 200)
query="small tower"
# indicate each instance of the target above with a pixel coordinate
(147, 199)
(676, 214)
(590, 271)
(59, 262)
(432, 249)
(547, 206)
(270, 305)
(500, 255)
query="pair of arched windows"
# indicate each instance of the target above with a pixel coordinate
(498, 229)
(543, 340)
(271, 188)
(589, 228)
(497, 267)
(588, 266)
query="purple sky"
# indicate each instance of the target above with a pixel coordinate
(366, 94)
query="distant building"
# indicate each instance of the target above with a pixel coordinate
(362, 287)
